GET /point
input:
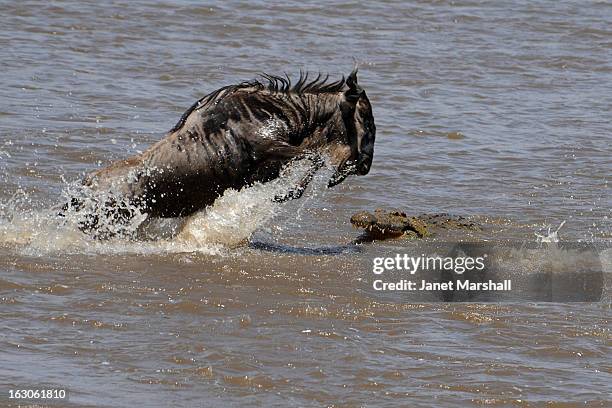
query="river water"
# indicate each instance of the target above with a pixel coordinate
(499, 111)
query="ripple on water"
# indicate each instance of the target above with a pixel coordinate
(498, 110)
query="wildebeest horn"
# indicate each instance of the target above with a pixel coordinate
(351, 81)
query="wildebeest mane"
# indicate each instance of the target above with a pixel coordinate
(273, 84)
(284, 85)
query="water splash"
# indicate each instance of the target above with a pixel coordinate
(227, 223)
(550, 237)
(234, 216)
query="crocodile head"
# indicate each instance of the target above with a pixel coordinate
(388, 224)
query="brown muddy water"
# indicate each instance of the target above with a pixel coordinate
(495, 110)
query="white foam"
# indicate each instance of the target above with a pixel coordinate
(550, 237)
(228, 223)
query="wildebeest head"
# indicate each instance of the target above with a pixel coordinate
(356, 158)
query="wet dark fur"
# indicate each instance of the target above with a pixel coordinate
(243, 133)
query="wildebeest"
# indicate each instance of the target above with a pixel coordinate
(246, 133)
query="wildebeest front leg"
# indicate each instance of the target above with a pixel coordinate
(297, 191)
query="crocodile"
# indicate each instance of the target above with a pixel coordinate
(383, 224)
